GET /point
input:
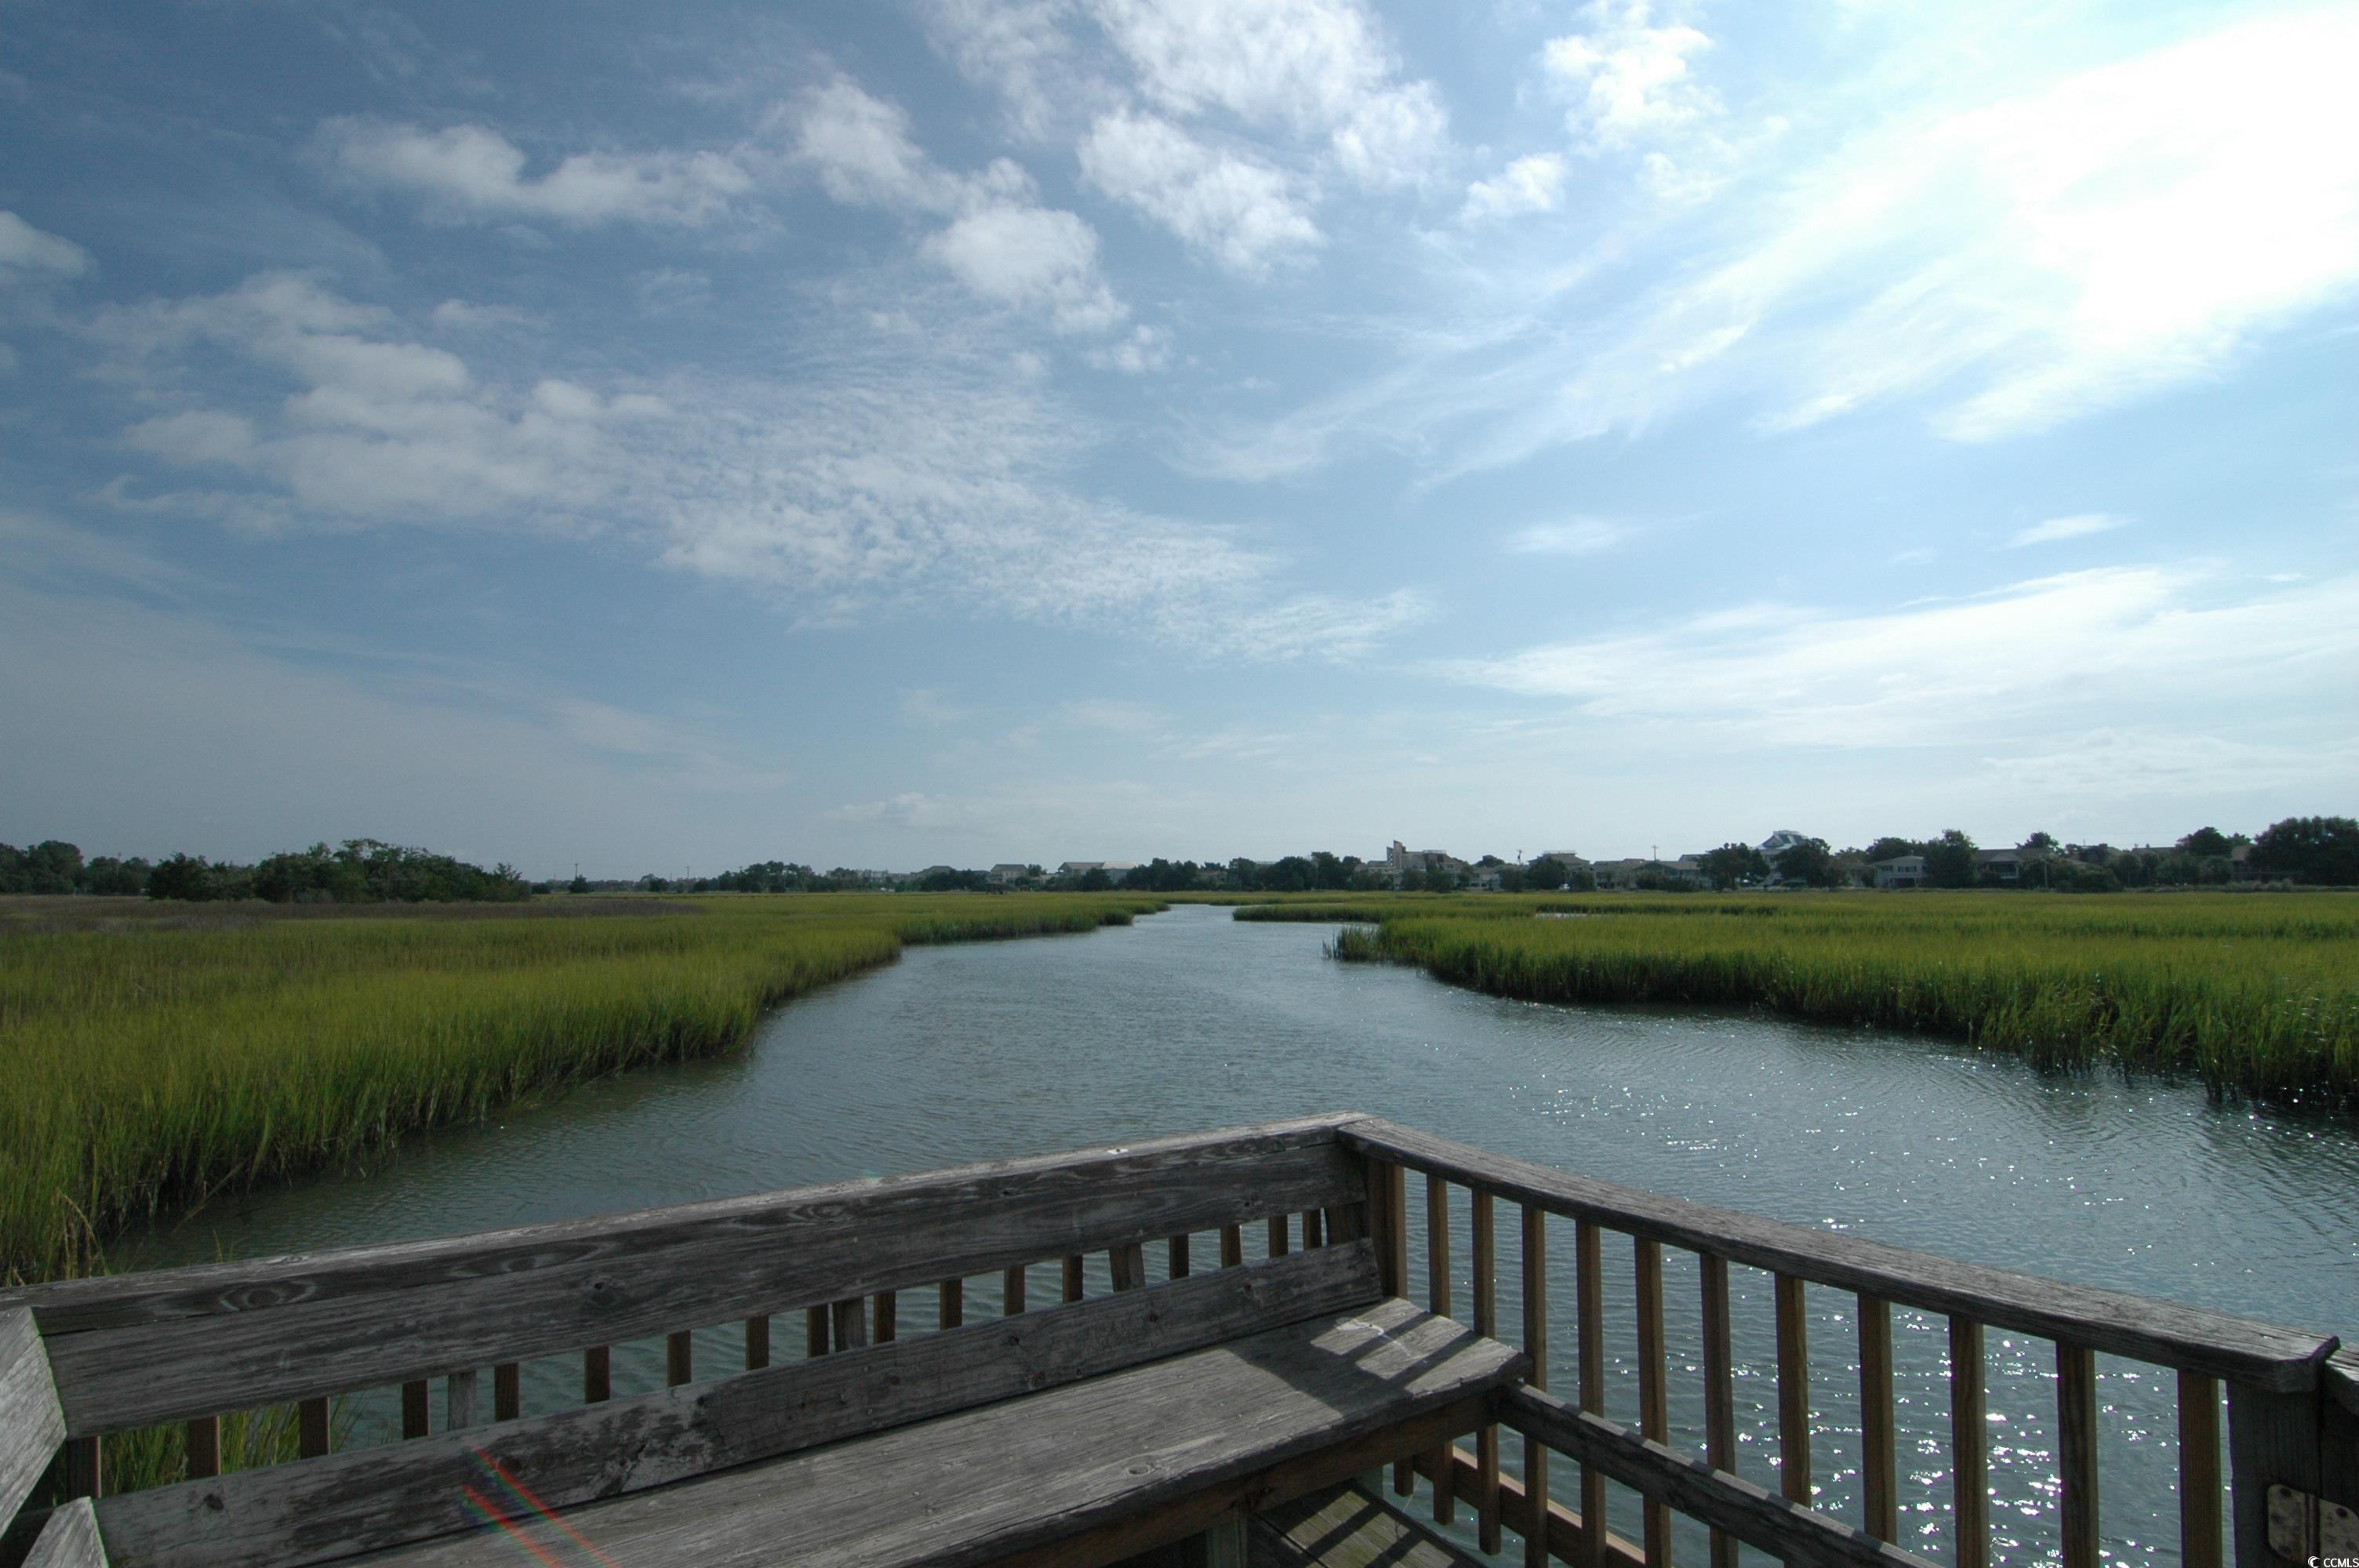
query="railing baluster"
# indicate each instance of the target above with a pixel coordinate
(1178, 1258)
(1719, 1389)
(1011, 1291)
(1232, 1246)
(507, 1392)
(1969, 1446)
(1073, 1291)
(1486, 1324)
(1588, 1278)
(598, 1375)
(2076, 1420)
(1436, 1279)
(459, 1400)
(1878, 1457)
(204, 1447)
(953, 1309)
(814, 1331)
(889, 1317)
(311, 1436)
(2199, 1471)
(1793, 1390)
(1536, 1454)
(1310, 1229)
(758, 1343)
(85, 1468)
(1278, 1230)
(1392, 1269)
(416, 1418)
(1654, 1410)
(1127, 1265)
(851, 1319)
(679, 1359)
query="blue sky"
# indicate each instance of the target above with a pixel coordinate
(883, 435)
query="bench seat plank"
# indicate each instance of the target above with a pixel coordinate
(970, 1488)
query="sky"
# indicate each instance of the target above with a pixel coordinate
(659, 438)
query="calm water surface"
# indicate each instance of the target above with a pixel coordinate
(1189, 1020)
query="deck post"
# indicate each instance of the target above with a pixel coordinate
(2273, 1440)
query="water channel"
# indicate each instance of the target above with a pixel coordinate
(1189, 1020)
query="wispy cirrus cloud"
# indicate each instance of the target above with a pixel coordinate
(2080, 526)
(1572, 536)
(2043, 650)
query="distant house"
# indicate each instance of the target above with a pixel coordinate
(1687, 871)
(2006, 865)
(1777, 843)
(1007, 872)
(1901, 871)
(1078, 868)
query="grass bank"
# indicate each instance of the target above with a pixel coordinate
(2254, 994)
(153, 1058)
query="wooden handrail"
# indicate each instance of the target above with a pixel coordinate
(2240, 1350)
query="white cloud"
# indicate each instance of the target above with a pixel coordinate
(1018, 49)
(2041, 651)
(1031, 255)
(931, 707)
(1573, 536)
(376, 429)
(1630, 76)
(1145, 349)
(1319, 67)
(474, 171)
(1242, 213)
(1000, 243)
(2076, 526)
(26, 252)
(863, 153)
(1531, 184)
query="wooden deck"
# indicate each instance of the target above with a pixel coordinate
(1208, 1408)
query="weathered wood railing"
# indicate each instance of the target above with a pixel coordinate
(2293, 1399)
(873, 1262)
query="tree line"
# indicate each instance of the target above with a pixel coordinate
(359, 871)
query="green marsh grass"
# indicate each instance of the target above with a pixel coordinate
(2254, 994)
(152, 1062)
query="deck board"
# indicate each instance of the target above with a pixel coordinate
(970, 1488)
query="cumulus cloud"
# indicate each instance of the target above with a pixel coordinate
(1319, 67)
(30, 253)
(1630, 76)
(373, 428)
(2076, 526)
(1031, 255)
(1242, 213)
(1531, 184)
(1145, 349)
(473, 171)
(1001, 243)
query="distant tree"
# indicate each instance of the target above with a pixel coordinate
(1734, 864)
(1096, 880)
(2207, 842)
(105, 874)
(579, 885)
(51, 866)
(2079, 876)
(2320, 850)
(1811, 863)
(1890, 849)
(1950, 860)
(2043, 841)
(1545, 874)
(188, 877)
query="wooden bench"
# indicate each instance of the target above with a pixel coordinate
(1083, 1433)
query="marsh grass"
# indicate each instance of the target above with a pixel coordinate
(2254, 995)
(151, 1065)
